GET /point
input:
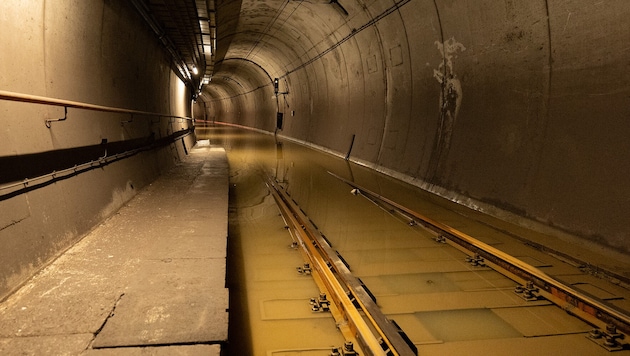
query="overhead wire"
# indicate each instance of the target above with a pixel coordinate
(267, 28)
(353, 33)
(266, 32)
(262, 35)
(395, 7)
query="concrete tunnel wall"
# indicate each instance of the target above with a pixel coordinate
(517, 108)
(97, 52)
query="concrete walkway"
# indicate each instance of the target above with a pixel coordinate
(150, 280)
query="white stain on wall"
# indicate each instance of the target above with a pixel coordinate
(451, 91)
(451, 97)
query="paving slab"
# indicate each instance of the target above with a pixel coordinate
(152, 274)
(184, 350)
(71, 344)
(164, 319)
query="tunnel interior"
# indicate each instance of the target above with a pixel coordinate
(514, 109)
(511, 108)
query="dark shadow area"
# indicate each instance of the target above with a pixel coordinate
(239, 333)
(22, 167)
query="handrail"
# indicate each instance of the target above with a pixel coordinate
(35, 99)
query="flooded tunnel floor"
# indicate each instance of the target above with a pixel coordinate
(269, 300)
(445, 305)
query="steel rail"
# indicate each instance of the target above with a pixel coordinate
(34, 99)
(574, 302)
(334, 289)
(325, 260)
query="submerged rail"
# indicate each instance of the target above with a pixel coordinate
(605, 316)
(375, 334)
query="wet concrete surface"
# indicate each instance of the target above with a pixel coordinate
(151, 275)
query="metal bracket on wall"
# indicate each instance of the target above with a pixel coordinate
(104, 144)
(65, 116)
(122, 123)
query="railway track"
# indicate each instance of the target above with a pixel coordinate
(354, 309)
(416, 268)
(365, 326)
(611, 324)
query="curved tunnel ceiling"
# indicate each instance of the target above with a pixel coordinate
(237, 76)
(274, 35)
(498, 104)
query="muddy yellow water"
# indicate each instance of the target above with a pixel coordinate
(445, 305)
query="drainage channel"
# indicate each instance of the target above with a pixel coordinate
(612, 324)
(355, 311)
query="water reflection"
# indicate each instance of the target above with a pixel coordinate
(425, 285)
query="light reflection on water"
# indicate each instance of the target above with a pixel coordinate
(403, 266)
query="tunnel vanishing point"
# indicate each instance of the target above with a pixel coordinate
(519, 109)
